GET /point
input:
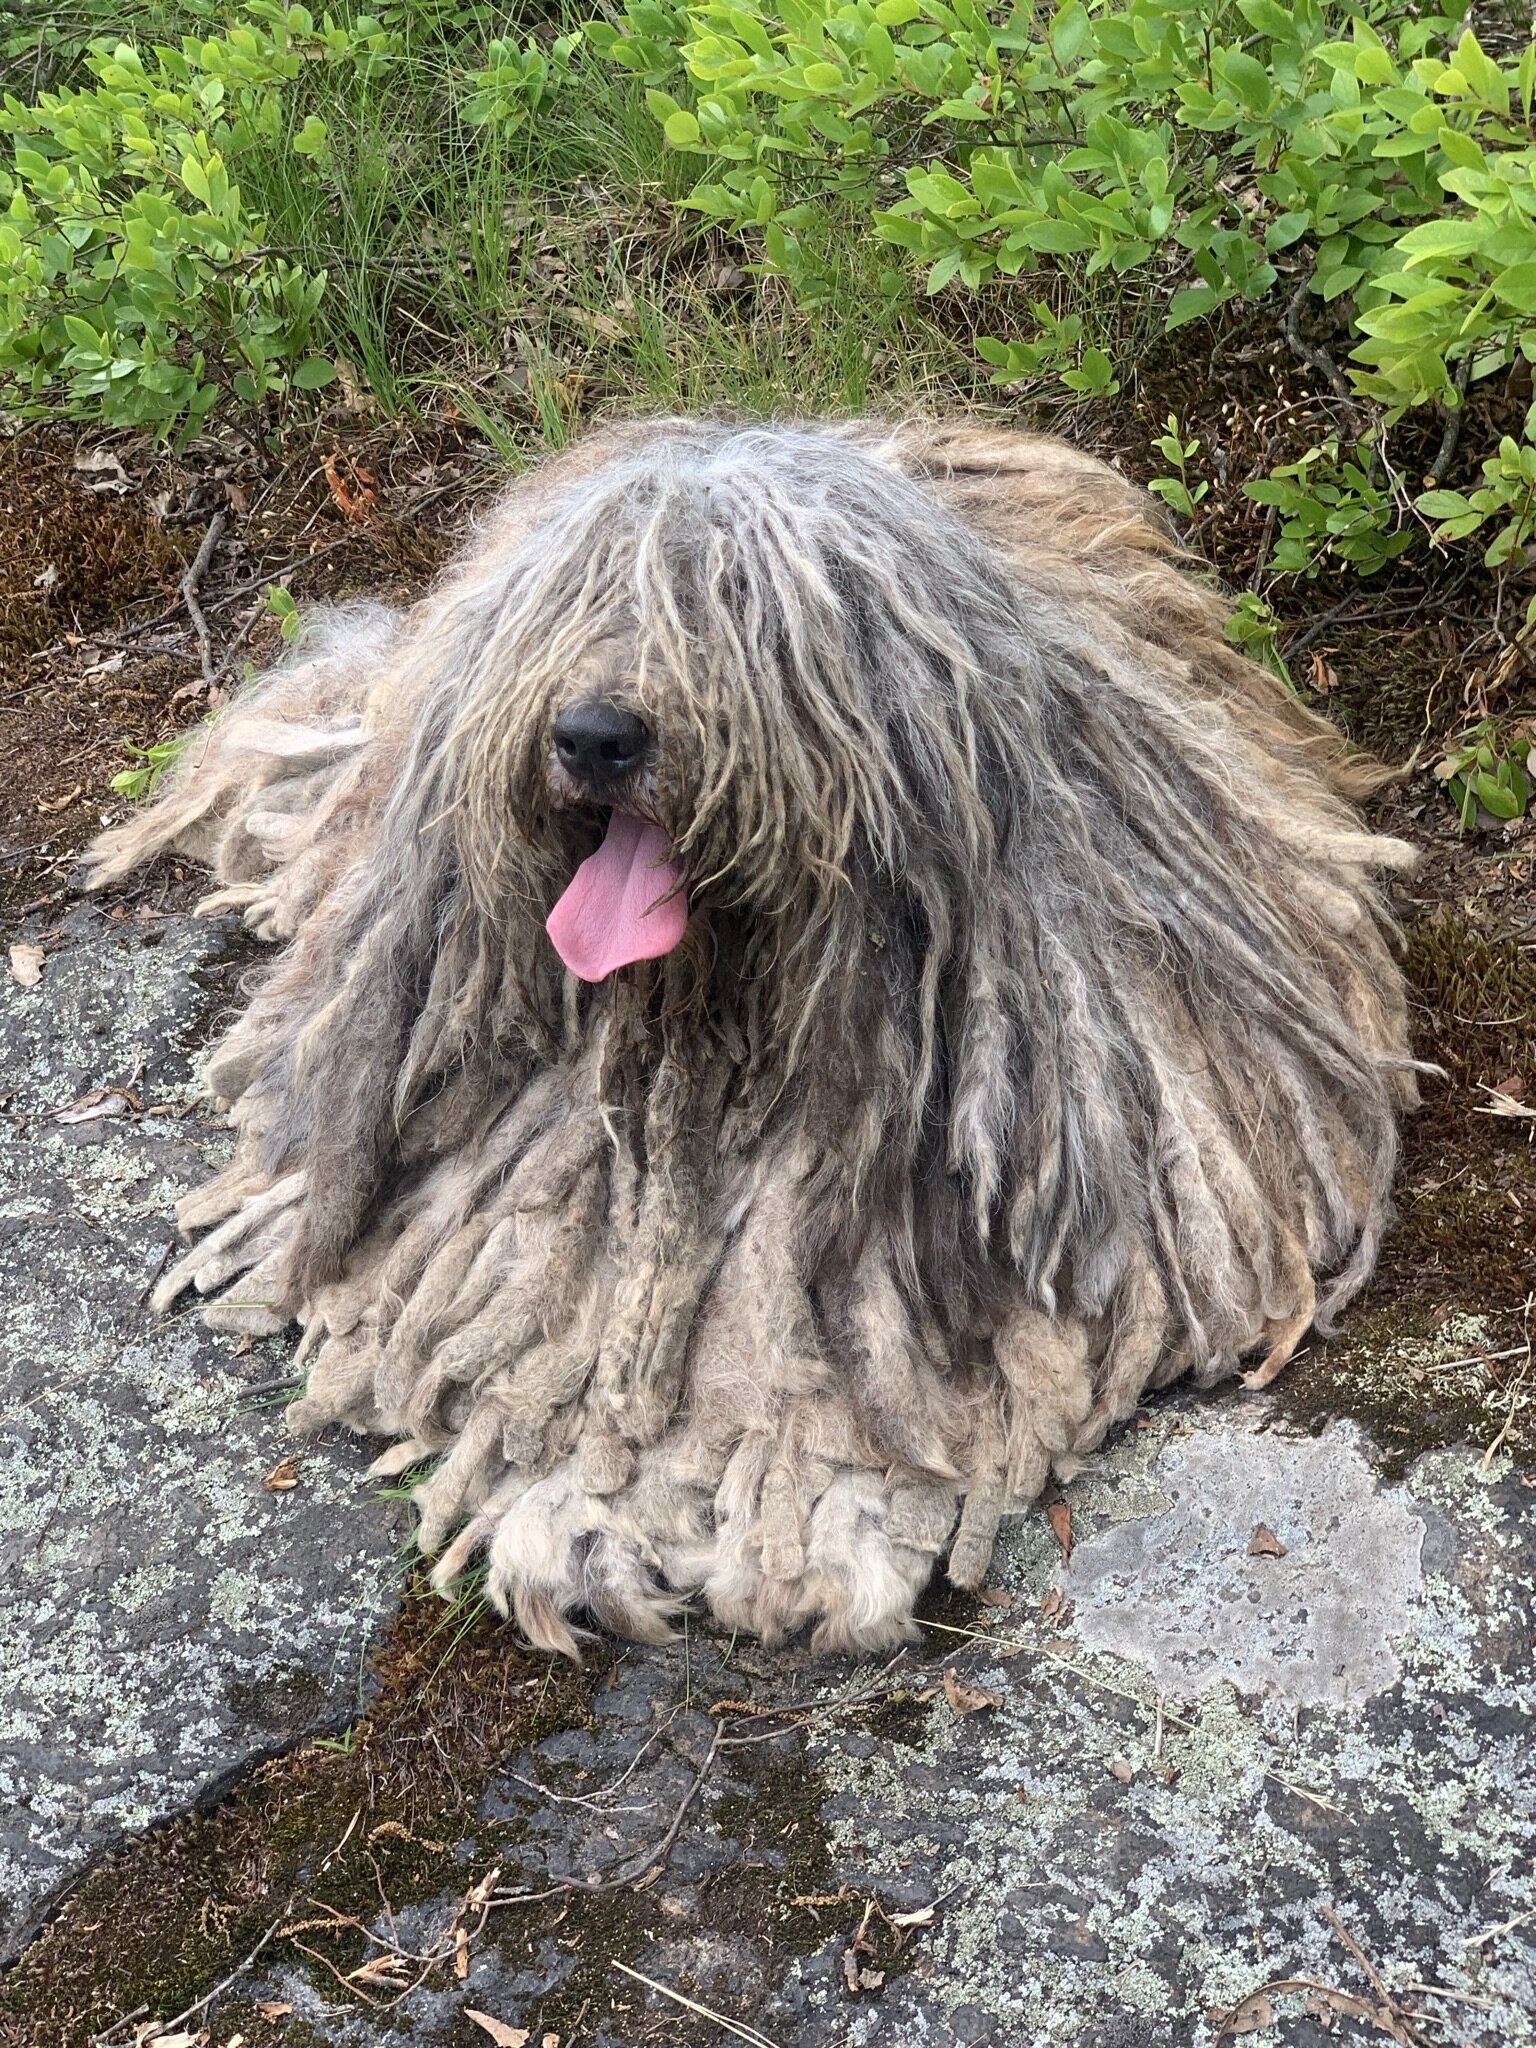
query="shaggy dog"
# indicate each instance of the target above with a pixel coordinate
(813, 976)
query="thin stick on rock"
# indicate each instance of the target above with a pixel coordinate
(1373, 1976)
(736, 2027)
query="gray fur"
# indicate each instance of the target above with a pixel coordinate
(1036, 1035)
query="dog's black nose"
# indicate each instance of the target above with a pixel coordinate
(597, 741)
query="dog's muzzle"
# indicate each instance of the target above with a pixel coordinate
(627, 901)
(599, 743)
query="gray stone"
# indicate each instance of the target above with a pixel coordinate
(1132, 1839)
(1191, 1595)
(1203, 1768)
(164, 1618)
(1129, 1840)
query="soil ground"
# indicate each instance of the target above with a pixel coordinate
(97, 657)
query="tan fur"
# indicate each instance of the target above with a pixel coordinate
(669, 1276)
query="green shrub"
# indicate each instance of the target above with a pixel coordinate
(139, 281)
(1197, 152)
(135, 282)
(195, 218)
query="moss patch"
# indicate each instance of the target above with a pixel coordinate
(1434, 1352)
(155, 1926)
(70, 558)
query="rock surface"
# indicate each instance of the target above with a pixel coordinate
(1120, 1848)
(1254, 1760)
(164, 1617)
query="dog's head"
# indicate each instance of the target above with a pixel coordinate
(741, 671)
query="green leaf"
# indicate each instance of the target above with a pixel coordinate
(901, 229)
(82, 333)
(1483, 76)
(880, 51)
(1443, 505)
(1498, 801)
(313, 374)
(1288, 228)
(1250, 79)
(1191, 303)
(1462, 150)
(1517, 287)
(944, 270)
(1053, 237)
(1268, 18)
(1096, 375)
(1373, 66)
(1445, 237)
(681, 129)
(195, 178)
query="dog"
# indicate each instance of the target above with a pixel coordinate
(812, 976)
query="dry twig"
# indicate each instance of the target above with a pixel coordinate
(189, 589)
(736, 2027)
(1315, 357)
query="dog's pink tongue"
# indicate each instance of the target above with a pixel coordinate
(625, 902)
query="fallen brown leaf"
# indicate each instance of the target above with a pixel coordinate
(1323, 2002)
(103, 465)
(27, 965)
(964, 1698)
(857, 1977)
(284, 1476)
(1061, 1522)
(273, 2008)
(503, 2035)
(60, 803)
(356, 498)
(98, 1102)
(995, 1596)
(1265, 1543)
(603, 325)
(1246, 2017)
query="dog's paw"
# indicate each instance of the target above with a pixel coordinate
(842, 1550)
(248, 1249)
